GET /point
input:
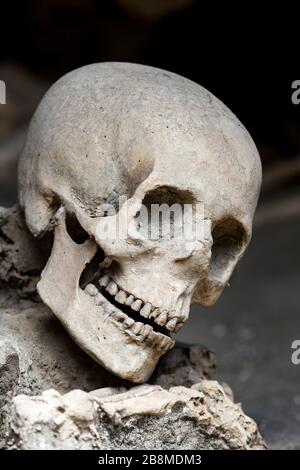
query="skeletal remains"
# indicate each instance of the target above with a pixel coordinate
(110, 130)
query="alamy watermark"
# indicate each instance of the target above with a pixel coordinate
(2, 92)
(295, 357)
(152, 222)
(296, 93)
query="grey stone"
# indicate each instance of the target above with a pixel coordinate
(144, 417)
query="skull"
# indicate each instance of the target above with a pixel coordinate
(111, 130)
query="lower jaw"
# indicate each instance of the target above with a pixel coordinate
(103, 338)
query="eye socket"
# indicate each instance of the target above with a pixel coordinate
(229, 240)
(74, 229)
(162, 210)
(168, 195)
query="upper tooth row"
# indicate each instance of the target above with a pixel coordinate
(162, 318)
(137, 330)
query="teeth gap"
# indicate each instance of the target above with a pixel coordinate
(132, 314)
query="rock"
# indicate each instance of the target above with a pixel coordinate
(185, 365)
(143, 417)
(21, 256)
(9, 377)
(9, 368)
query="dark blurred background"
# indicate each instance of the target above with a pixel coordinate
(249, 62)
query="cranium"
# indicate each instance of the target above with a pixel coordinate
(114, 129)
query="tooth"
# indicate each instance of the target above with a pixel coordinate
(118, 315)
(171, 324)
(167, 344)
(136, 306)
(91, 290)
(157, 340)
(155, 313)
(112, 288)
(136, 327)
(178, 327)
(146, 310)
(164, 341)
(121, 297)
(170, 344)
(146, 330)
(162, 319)
(99, 299)
(128, 322)
(104, 280)
(173, 314)
(129, 300)
(152, 336)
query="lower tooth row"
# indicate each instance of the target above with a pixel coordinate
(161, 318)
(137, 328)
(145, 332)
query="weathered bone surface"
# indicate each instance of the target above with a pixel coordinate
(144, 417)
(111, 130)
